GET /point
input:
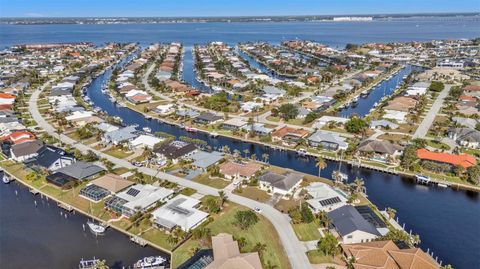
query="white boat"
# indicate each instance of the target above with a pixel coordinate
(150, 262)
(191, 129)
(89, 264)
(147, 129)
(96, 228)
(422, 179)
(6, 179)
(302, 152)
(441, 185)
(214, 134)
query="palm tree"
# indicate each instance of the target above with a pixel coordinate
(226, 149)
(321, 164)
(253, 156)
(246, 151)
(358, 185)
(223, 198)
(260, 248)
(391, 212)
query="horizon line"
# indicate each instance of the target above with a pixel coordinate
(248, 16)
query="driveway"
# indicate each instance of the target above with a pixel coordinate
(427, 122)
(293, 248)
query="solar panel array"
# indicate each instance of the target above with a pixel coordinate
(133, 192)
(330, 201)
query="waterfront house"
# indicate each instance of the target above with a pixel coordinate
(271, 93)
(50, 158)
(203, 160)
(119, 136)
(386, 255)
(465, 137)
(176, 150)
(381, 150)
(280, 184)
(138, 97)
(351, 226)
(258, 128)
(24, 151)
(180, 211)
(144, 141)
(327, 140)
(233, 124)
(207, 118)
(104, 186)
(66, 177)
(226, 255)
(239, 170)
(419, 88)
(401, 103)
(187, 113)
(106, 127)
(322, 197)
(7, 99)
(395, 115)
(165, 109)
(81, 118)
(289, 136)
(324, 120)
(137, 198)
(452, 160)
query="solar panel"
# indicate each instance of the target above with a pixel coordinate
(133, 192)
(330, 201)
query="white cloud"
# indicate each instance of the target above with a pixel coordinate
(34, 14)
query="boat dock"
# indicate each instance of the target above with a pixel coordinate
(68, 208)
(138, 240)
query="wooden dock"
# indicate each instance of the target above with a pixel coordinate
(68, 208)
(138, 240)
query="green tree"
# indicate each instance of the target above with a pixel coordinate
(321, 164)
(310, 117)
(474, 174)
(245, 218)
(288, 111)
(436, 86)
(409, 157)
(356, 125)
(32, 176)
(212, 205)
(391, 212)
(223, 198)
(328, 245)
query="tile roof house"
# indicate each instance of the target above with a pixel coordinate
(236, 170)
(380, 148)
(19, 137)
(351, 226)
(112, 182)
(226, 254)
(24, 151)
(289, 136)
(466, 137)
(327, 140)
(280, 184)
(180, 211)
(51, 158)
(464, 160)
(387, 255)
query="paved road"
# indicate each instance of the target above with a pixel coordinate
(423, 128)
(293, 247)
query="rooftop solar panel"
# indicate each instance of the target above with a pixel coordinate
(133, 192)
(330, 201)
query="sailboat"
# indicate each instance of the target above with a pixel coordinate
(337, 175)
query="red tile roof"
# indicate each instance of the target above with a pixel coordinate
(18, 137)
(464, 160)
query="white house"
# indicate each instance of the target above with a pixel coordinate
(142, 141)
(419, 88)
(180, 211)
(280, 184)
(164, 109)
(139, 198)
(322, 197)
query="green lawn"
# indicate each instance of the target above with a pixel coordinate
(118, 153)
(262, 232)
(254, 193)
(212, 182)
(316, 257)
(307, 231)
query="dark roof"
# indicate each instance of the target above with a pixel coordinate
(283, 182)
(369, 215)
(81, 170)
(207, 116)
(346, 220)
(60, 179)
(379, 146)
(47, 155)
(176, 149)
(26, 148)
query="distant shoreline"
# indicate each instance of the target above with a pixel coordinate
(233, 19)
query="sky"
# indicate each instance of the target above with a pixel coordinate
(195, 8)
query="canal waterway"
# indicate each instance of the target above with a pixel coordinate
(447, 220)
(36, 233)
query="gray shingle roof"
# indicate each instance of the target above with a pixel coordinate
(283, 182)
(81, 170)
(346, 220)
(26, 148)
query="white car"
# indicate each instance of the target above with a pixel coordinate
(258, 210)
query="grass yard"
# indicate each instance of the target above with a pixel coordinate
(217, 183)
(262, 232)
(118, 153)
(255, 193)
(316, 257)
(307, 231)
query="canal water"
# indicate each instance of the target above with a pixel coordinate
(448, 221)
(36, 233)
(384, 88)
